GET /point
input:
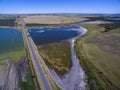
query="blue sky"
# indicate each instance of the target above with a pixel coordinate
(60, 6)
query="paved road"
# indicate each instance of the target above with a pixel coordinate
(42, 74)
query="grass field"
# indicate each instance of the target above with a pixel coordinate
(52, 19)
(99, 55)
(28, 85)
(56, 56)
(15, 55)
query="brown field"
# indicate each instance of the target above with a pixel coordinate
(53, 19)
(56, 56)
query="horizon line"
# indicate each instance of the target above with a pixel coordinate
(57, 13)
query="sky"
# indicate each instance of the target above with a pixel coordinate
(59, 6)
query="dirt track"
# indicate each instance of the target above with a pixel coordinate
(11, 79)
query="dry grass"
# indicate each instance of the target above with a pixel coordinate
(56, 56)
(52, 19)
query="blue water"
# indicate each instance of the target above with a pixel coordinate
(10, 40)
(116, 19)
(51, 35)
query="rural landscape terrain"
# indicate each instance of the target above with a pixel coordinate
(59, 51)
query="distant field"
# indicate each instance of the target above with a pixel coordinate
(56, 56)
(52, 19)
(100, 50)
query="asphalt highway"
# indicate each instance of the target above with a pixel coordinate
(42, 74)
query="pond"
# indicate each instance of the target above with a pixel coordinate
(55, 34)
(75, 77)
(10, 40)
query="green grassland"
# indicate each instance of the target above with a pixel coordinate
(28, 85)
(99, 54)
(15, 55)
(3, 62)
(56, 56)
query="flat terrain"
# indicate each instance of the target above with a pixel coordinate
(56, 56)
(3, 70)
(100, 51)
(52, 19)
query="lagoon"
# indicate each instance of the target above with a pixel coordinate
(10, 40)
(54, 34)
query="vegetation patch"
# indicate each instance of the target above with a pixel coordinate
(3, 70)
(40, 25)
(3, 62)
(101, 66)
(15, 55)
(56, 56)
(111, 26)
(7, 22)
(28, 85)
(108, 41)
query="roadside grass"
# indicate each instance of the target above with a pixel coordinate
(56, 56)
(28, 85)
(15, 55)
(101, 66)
